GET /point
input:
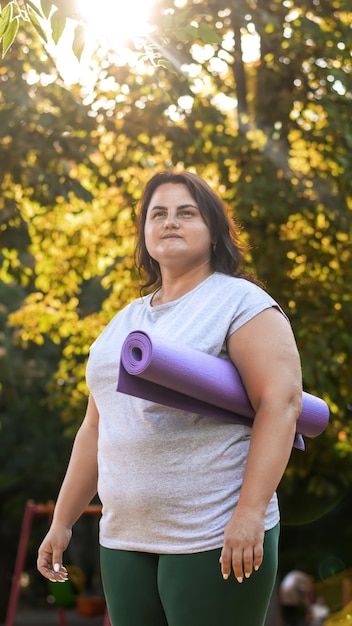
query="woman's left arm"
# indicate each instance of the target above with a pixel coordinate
(265, 353)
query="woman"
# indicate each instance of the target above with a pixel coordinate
(190, 523)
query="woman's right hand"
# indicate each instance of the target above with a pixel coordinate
(77, 490)
(50, 553)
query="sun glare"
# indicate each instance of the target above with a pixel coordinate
(116, 21)
(109, 24)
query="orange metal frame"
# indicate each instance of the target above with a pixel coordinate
(31, 510)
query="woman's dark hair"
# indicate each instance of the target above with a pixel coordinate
(227, 254)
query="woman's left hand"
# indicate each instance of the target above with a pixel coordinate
(243, 544)
(266, 356)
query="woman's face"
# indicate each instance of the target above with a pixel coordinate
(176, 234)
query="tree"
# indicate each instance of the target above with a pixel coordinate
(272, 135)
(50, 19)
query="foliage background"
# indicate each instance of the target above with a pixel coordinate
(272, 135)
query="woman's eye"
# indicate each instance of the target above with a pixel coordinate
(181, 213)
(186, 212)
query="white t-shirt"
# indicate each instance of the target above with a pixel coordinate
(169, 480)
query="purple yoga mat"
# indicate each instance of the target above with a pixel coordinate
(191, 380)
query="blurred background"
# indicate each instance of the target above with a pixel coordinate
(254, 96)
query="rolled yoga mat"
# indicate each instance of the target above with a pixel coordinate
(197, 382)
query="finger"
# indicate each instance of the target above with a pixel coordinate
(57, 575)
(44, 563)
(258, 556)
(57, 560)
(248, 558)
(225, 562)
(237, 564)
(60, 571)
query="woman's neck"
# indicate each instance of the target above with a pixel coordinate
(174, 287)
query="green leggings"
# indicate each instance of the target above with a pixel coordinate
(144, 589)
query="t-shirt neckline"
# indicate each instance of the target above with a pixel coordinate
(177, 300)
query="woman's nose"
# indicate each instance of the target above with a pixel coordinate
(171, 220)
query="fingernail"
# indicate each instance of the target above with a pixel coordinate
(56, 567)
(225, 576)
(247, 575)
(256, 567)
(239, 579)
(52, 580)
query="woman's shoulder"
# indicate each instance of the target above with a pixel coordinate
(242, 291)
(237, 283)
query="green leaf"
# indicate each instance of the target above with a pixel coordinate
(168, 22)
(58, 23)
(165, 63)
(182, 17)
(38, 27)
(207, 34)
(47, 6)
(79, 41)
(189, 33)
(5, 18)
(9, 36)
(34, 8)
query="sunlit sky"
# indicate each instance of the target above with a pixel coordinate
(116, 20)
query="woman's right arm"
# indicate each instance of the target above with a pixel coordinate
(78, 488)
